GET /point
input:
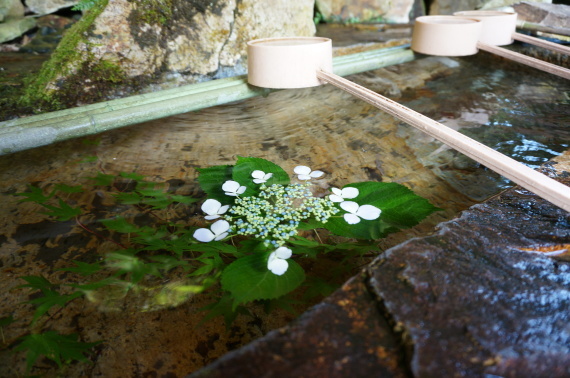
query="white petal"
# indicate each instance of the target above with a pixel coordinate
(259, 181)
(335, 198)
(230, 186)
(304, 177)
(241, 189)
(233, 194)
(368, 212)
(210, 217)
(316, 174)
(221, 236)
(302, 170)
(349, 206)
(211, 206)
(267, 176)
(258, 174)
(220, 227)
(349, 192)
(336, 191)
(203, 235)
(223, 209)
(351, 218)
(278, 266)
(283, 252)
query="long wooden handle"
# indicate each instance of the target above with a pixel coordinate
(544, 186)
(529, 61)
(542, 43)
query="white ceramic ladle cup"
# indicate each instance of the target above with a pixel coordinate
(299, 62)
(461, 35)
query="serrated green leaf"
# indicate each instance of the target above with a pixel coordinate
(211, 180)
(120, 224)
(129, 198)
(224, 307)
(37, 283)
(50, 299)
(34, 195)
(186, 200)
(103, 179)
(58, 348)
(85, 269)
(63, 212)
(248, 279)
(401, 208)
(246, 165)
(69, 189)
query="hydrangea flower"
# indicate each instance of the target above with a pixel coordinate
(259, 177)
(218, 230)
(233, 188)
(304, 173)
(277, 261)
(355, 212)
(340, 195)
(213, 208)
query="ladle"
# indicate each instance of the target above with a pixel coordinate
(460, 36)
(299, 62)
(499, 29)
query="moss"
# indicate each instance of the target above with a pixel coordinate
(36, 91)
(154, 11)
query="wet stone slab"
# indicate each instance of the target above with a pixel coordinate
(479, 298)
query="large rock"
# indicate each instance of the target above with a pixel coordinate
(397, 11)
(49, 6)
(451, 6)
(125, 44)
(13, 28)
(480, 298)
(551, 15)
(11, 8)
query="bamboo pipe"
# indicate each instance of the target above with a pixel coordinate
(542, 43)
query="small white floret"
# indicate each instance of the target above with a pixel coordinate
(213, 208)
(304, 173)
(233, 188)
(217, 231)
(355, 212)
(260, 177)
(277, 261)
(340, 195)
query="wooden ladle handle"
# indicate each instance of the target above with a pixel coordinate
(536, 182)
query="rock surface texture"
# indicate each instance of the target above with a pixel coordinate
(364, 10)
(553, 15)
(450, 6)
(481, 297)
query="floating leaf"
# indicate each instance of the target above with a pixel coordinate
(246, 165)
(401, 208)
(248, 279)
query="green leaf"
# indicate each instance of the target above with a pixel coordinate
(211, 180)
(85, 269)
(6, 321)
(59, 348)
(103, 179)
(246, 165)
(132, 176)
(248, 279)
(401, 208)
(50, 299)
(186, 200)
(34, 195)
(37, 283)
(130, 198)
(63, 212)
(126, 262)
(224, 307)
(69, 189)
(120, 224)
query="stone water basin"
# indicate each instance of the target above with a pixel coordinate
(521, 112)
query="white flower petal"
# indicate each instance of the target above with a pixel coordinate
(350, 206)
(335, 198)
(267, 176)
(278, 266)
(211, 206)
(204, 235)
(258, 174)
(349, 192)
(230, 186)
(223, 209)
(241, 189)
(368, 212)
(221, 236)
(304, 177)
(232, 194)
(283, 252)
(259, 181)
(220, 227)
(302, 170)
(316, 174)
(210, 217)
(351, 218)
(336, 191)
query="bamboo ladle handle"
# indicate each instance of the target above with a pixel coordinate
(534, 181)
(542, 43)
(529, 61)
